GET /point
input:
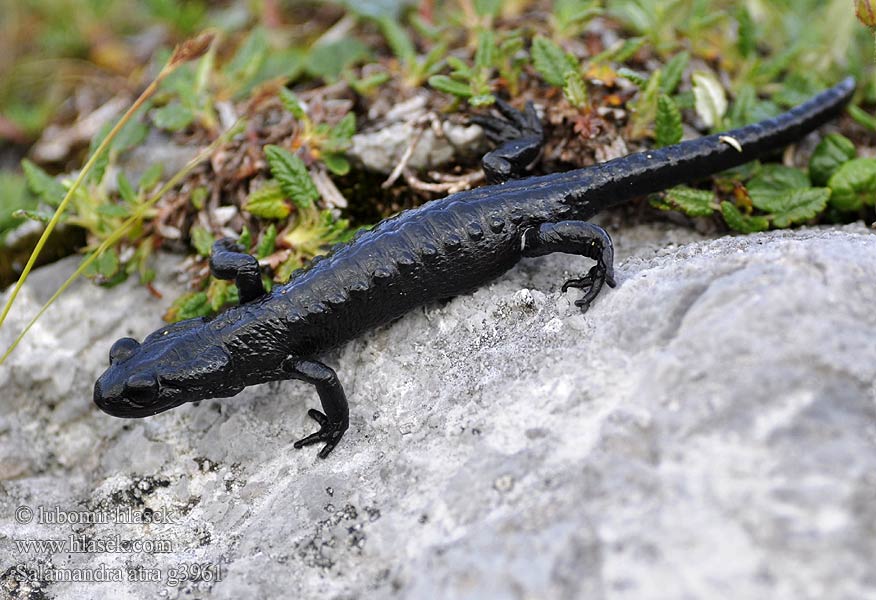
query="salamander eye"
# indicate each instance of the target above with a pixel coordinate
(123, 349)
(142, 388)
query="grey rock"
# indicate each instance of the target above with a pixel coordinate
(707, 430)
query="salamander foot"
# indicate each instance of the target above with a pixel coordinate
(590, 284)
(329, 432)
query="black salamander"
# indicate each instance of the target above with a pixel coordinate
(442, 249)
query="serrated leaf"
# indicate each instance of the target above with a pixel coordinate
(796, 206)
(832, 151)
(740, 222)
(853, 185)
(268, 202)
(33, 215)
(107, 264)
(644, 108)
(202, 240)
(267, 243)
(690, 201)
(551, 61)
(773, 182)
(292, 103)
(291, 173)
(667, 123)
(341, 134)
(575, 90)
(219, 293)
(636, 78)
(49, 189)
(172, 117)
(126, 190)
(711, 101)
(445, 84)
(188, 306)
(673, 72)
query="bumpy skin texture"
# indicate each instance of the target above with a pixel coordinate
(442, 249)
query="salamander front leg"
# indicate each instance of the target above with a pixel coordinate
(336, 418)
(228, 261)
(519, 135)
(576, 237)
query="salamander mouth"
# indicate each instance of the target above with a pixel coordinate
(128, 408)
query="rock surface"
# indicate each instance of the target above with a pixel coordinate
(707, 430)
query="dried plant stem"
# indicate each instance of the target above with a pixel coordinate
(183, 53)
(116, 235)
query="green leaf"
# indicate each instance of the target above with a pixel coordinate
(746, 37)
(106, 265)
(690, 201)
(399, 41)
(14, 197)
(329, 60)
(711, 101)
(673, 72)
(772, 182)
(248, 59)
(487, 8)
(151, 176)
(482, 100)
(268, 242)
(485, 54)
(551, 61)
(189, 306)
(199, 196)
(636, 78)
(268, 202)
(33, 215)
(336, 163)
(245, 239)
(113, 210)
(202, 240)
(445, 84)
(667, 124)
(341, 134)
(796, 89)
(126, 190)
(575, 90)
(740, 222)
(292, 174)
(832, 151)
(172, 117)
(49, 189)
(796, 206)
(853, 185)
(644, 108)
(291, 103)
(862, 117)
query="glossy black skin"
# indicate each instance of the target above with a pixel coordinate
(442, 249)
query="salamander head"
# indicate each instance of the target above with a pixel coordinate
(173, 365)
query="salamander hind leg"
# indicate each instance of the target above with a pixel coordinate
(581, 238)
(519, 135)
(335, 419)
(228, 261)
